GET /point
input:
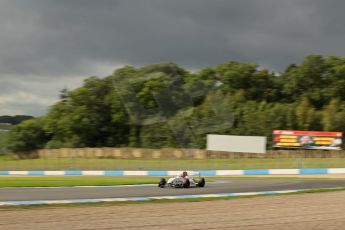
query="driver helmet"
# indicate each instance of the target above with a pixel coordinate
(184, 174)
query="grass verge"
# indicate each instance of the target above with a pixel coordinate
(57, 181)
(7, 163)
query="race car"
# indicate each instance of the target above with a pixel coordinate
(182, 181)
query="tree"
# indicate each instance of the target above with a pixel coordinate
(29, 135)
(306, 115)
(334, 116)
(163, 105)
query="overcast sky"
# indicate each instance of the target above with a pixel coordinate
(47, 45)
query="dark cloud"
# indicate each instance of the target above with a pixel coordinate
(52, 41)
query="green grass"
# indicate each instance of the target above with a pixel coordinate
(3, 135)
(5, 126)
(57, 181)
(7, 163)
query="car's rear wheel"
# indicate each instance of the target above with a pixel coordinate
(186, 184)
(162, 183)
(201, 182)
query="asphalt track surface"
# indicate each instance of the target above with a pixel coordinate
(224, 186)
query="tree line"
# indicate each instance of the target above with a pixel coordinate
(164, 105)
(14, 120)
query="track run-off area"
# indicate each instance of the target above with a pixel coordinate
(317, 211)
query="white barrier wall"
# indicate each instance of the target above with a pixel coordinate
(228, 143)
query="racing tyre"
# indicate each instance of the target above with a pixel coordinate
(201, 182)
(186, 184)
(162, 183)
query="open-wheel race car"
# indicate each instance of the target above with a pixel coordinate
(183, 181)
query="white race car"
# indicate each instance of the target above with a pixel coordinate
(182, 181)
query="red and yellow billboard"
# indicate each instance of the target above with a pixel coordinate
(307, 139)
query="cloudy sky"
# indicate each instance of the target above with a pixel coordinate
(46, 45)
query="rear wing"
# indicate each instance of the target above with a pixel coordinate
(190, 173)
(194, 173)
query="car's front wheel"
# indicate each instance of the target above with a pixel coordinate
(201, 182)
(162, 183)
(186, 184)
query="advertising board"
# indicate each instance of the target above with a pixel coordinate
(307, 139)
(230, 143)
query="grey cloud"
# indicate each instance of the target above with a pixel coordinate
(42, 40)
(32, 95)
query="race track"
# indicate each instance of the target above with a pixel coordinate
(224, 186)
